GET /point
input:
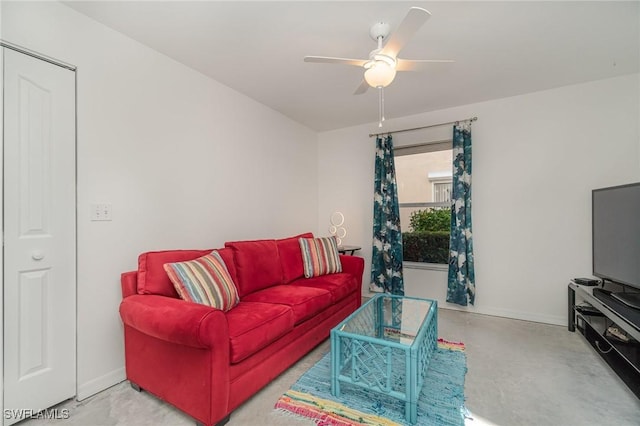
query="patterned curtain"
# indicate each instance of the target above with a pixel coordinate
(461, 287)
(386, 263)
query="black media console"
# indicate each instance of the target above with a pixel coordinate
(610, 326)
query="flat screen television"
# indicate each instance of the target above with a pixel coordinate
(616, 239)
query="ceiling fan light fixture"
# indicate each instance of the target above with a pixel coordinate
(379, 74)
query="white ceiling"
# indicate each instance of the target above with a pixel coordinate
(501, 49)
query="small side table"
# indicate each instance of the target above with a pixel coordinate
(350, 250)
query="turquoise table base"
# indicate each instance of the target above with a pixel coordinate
(385, 346)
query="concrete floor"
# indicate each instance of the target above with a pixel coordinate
(519, 373)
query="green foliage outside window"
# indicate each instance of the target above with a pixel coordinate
(428, 241)
(431, 220)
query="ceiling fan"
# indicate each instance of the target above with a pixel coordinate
(383, 63)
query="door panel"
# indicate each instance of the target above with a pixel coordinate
(39, 231)
(33, 319)
(35, 158)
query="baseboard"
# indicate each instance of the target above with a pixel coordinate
(517, 315)
(101, 383)
(488, 310)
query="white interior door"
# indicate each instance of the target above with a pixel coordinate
(39, 235)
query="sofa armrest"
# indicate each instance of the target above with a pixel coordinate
(353, 265)
(175, 320)
(129, 283)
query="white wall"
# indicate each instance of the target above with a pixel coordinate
(536, 159)
(185, 162)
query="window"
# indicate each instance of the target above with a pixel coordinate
(423, 175)
(442, 192)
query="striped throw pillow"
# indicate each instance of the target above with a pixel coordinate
(320, 256)
(205, 280)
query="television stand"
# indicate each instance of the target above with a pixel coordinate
(610, 327)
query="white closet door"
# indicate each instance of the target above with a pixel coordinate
(39, 234)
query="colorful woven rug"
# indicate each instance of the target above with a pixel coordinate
(441, 401)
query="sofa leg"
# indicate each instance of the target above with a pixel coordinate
(220, 423)
(136, 387)
(224, 421)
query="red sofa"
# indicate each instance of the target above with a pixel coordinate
(207, 362)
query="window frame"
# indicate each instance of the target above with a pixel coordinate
(421, 148)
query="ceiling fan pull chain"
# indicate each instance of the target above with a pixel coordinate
(382, 102)
(380, 105)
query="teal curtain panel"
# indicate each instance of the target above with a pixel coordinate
(461, 288)
(386, 263)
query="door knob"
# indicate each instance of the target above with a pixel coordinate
(37, 255)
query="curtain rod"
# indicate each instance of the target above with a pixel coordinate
(419, 128)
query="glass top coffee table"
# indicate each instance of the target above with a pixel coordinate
(385, 346)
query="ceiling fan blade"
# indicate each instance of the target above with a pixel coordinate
(419, 64)
(364, 86)
(330, 60)
(411, 23)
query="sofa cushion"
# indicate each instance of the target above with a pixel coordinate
(253, 326)
(227, 255)
(291, 257)
(304, 301)
(204, 280)
(257, 265)
(153, 279)
(340, 285)
(320, 256)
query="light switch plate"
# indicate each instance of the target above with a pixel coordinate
(101, 212)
